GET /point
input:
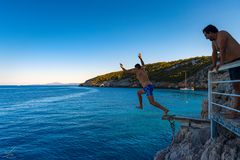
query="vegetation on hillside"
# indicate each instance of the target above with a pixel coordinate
(173, 71)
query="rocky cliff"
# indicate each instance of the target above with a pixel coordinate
(194, 143)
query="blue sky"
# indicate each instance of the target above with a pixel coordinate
(44, 41)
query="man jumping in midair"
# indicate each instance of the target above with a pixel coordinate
(142, 76)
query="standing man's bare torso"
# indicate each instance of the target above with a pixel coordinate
(232, 47)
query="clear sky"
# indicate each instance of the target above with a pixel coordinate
(44, 41)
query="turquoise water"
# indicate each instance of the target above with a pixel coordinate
(69, 122)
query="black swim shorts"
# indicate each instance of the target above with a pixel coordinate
(234, 73)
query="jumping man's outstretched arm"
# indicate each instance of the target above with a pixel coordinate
(140, 57)
(127, 71)
(121, 65)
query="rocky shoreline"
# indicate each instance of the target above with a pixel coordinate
(169, 75)
(198, 81)
(195, 144)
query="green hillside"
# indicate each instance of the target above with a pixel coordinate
(173, 71)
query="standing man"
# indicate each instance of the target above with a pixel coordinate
(142, 76)
(229, 51)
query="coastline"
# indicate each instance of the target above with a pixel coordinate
(172, 88)
(79, 85)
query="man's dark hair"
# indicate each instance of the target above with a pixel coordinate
(138, 66)
(210, 28)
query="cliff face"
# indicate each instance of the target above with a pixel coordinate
(195, 143)
(162, 74)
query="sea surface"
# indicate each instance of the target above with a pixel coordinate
(70, 122)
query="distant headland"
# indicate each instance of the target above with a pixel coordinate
(162, 74)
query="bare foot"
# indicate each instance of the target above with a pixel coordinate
(166, 112)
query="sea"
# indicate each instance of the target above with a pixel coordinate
(87, 123)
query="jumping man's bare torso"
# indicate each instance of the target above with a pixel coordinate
(142, 76)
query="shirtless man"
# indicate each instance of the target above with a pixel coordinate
(229, 51)
(142, 76)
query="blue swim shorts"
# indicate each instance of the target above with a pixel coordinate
(148, 90)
